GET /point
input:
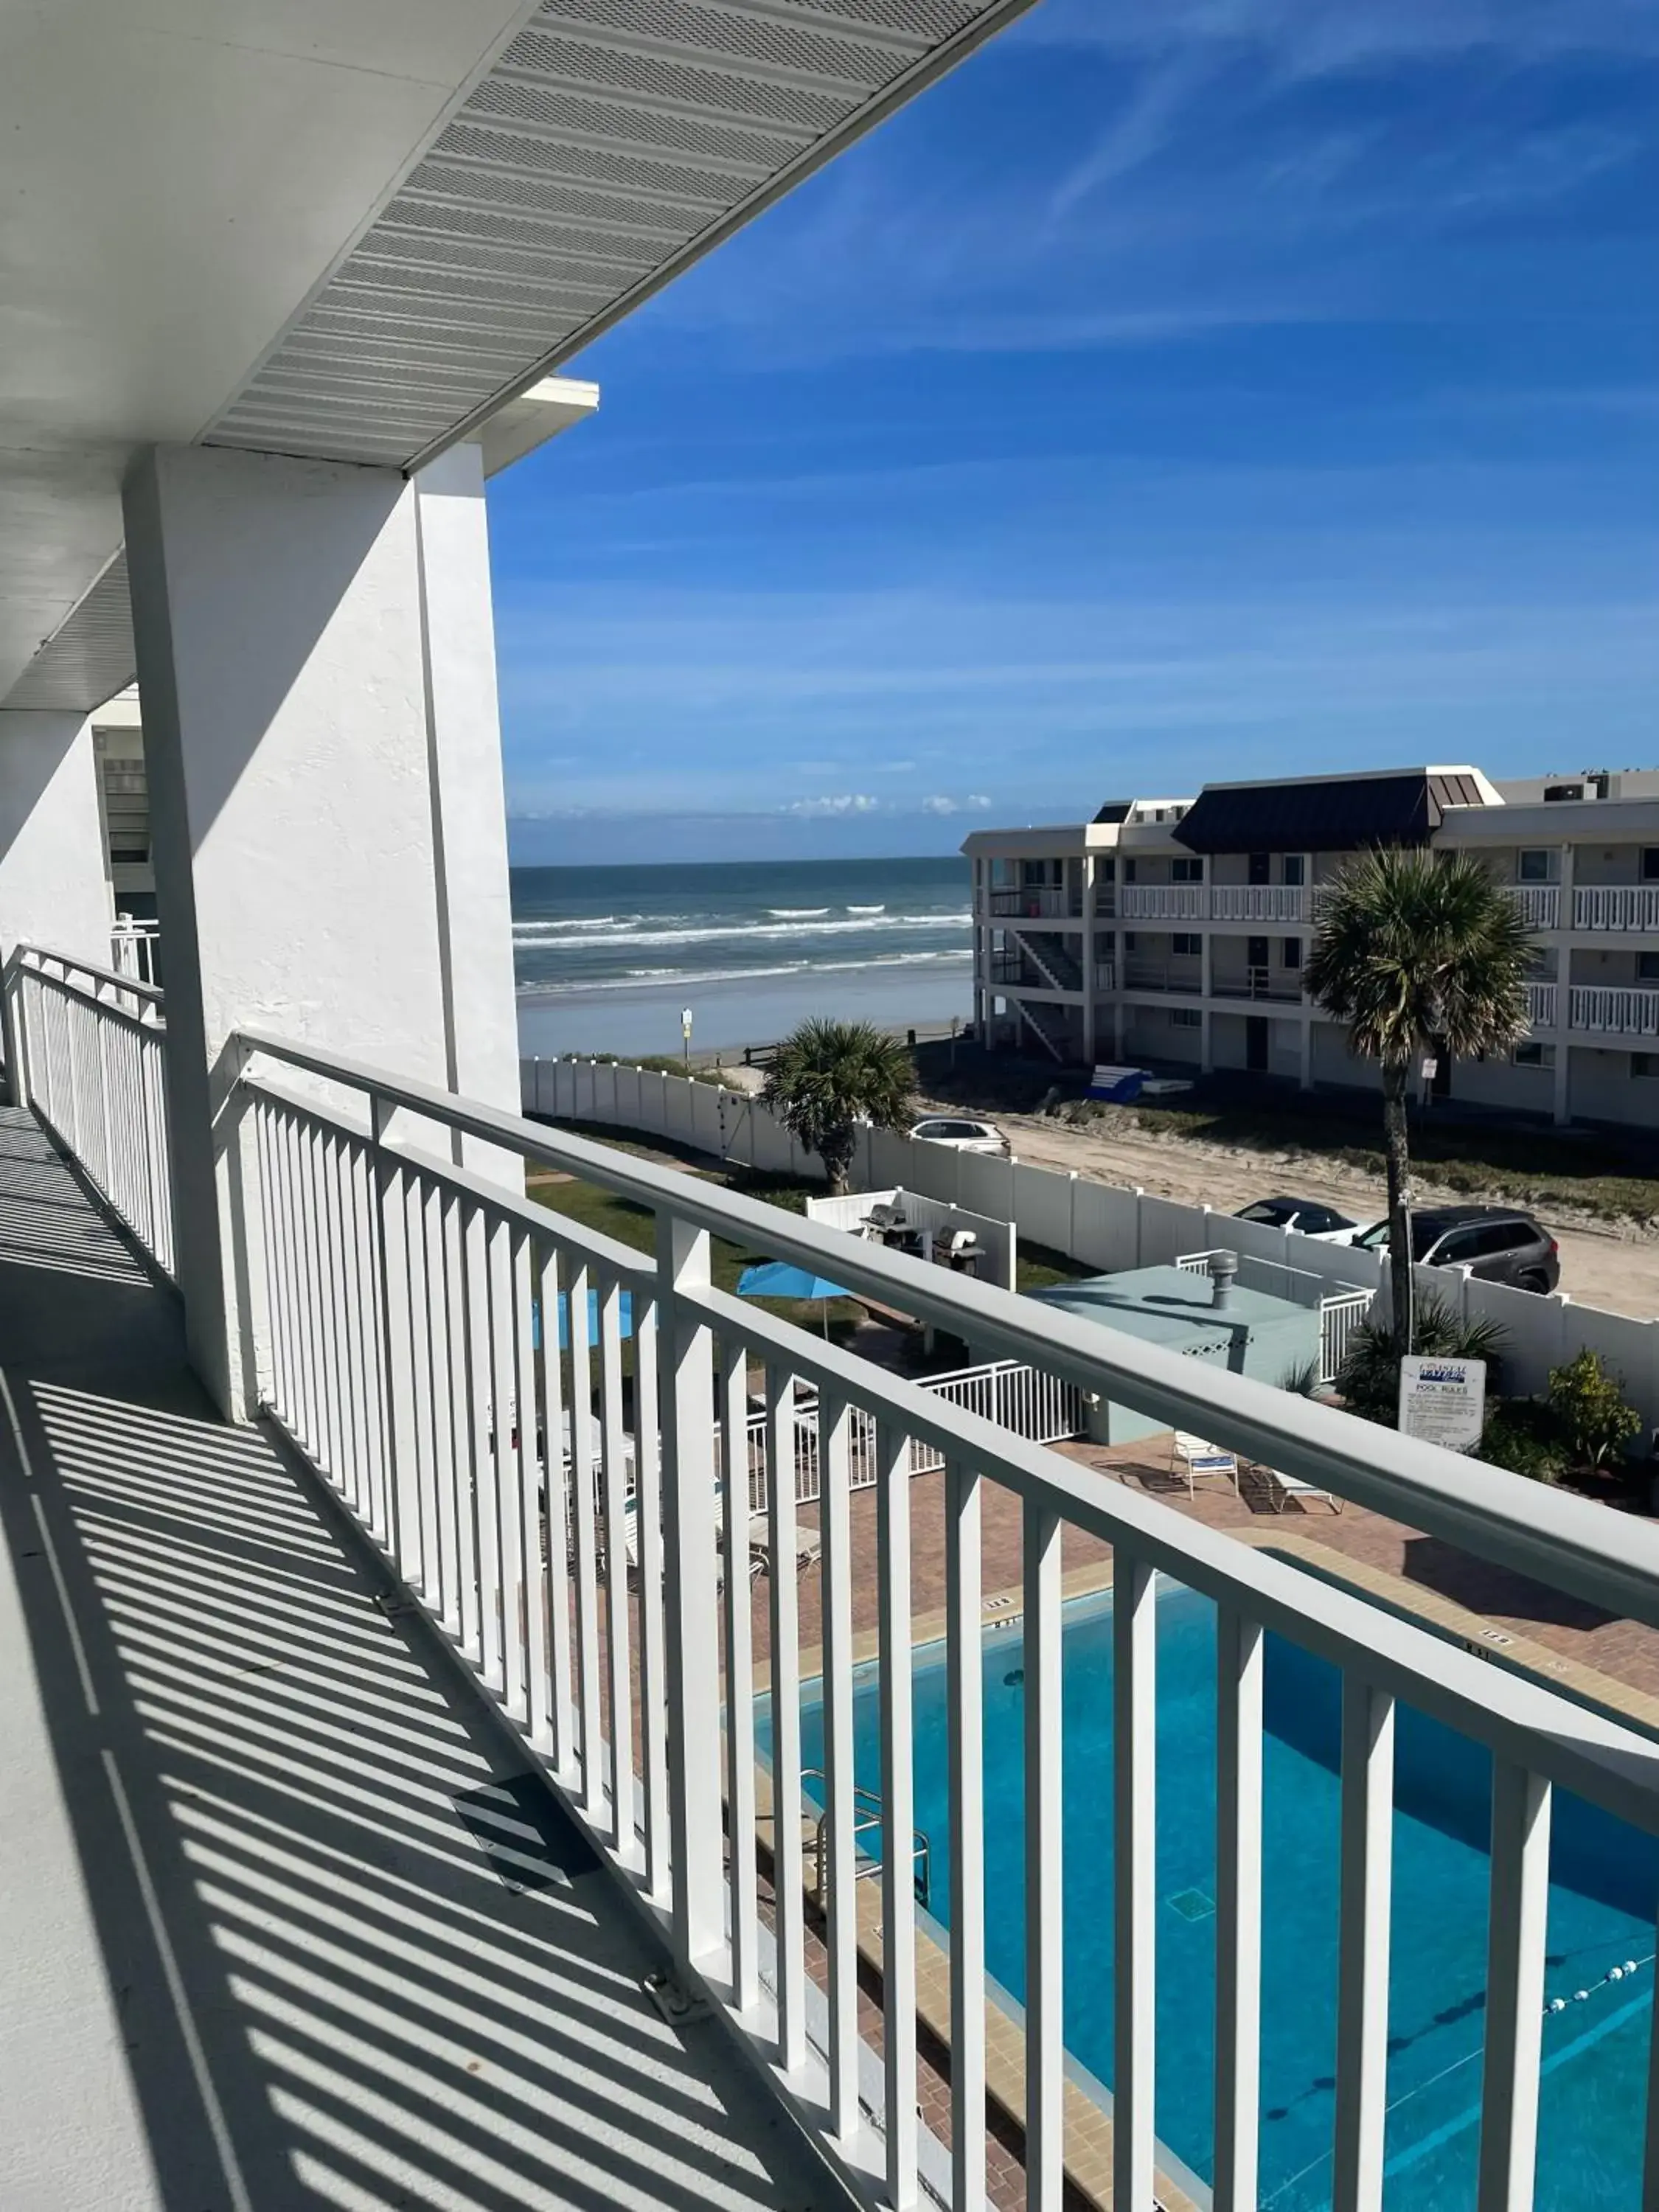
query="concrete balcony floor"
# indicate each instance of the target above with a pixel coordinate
(288, 1923)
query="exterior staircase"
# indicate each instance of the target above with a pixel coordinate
(1052, 957)
(1050, 1027)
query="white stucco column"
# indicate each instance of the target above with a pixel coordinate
(314, 660)
(469, 799)
(54, 877)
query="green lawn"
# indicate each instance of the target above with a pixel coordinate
(633, 1223)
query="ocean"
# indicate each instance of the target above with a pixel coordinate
(608, 959)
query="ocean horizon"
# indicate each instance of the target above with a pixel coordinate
(606, 958)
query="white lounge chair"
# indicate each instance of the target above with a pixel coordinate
(1282, 1486)
(809, 1546)
(1195, 1455)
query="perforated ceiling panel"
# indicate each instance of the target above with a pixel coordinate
(612, 143)
(91, 655)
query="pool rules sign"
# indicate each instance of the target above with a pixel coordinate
(1444, 1401)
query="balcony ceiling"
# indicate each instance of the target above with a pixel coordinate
(355, 228)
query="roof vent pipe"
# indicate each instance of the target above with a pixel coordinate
(1224, 1266)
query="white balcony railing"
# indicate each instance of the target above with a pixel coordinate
(1540, 904)
(1613, 1012)
(1632, 908)
(1037, 904)
(90, 1045)
(1162, 901)
(1540, 1006)
(1282, 985)
(1185, 974)
(135, 949)
(427, 1337)
(1259, 903)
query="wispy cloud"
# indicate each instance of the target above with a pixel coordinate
(828, 807)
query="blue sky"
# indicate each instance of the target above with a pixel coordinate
(1195, 388)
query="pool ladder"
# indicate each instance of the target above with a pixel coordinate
(867, 1815)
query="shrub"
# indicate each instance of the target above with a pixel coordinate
(1369, 1381)
(1526, 1437)
(1590, 1406)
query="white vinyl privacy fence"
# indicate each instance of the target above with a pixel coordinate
(1108, 1227)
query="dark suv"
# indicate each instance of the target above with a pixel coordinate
(1490, 1241)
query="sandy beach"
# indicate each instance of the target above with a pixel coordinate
(734, 1011)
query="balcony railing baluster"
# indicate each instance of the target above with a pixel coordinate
(408, 1316)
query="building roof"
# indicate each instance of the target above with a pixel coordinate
(1327, 814)
(1167, 1305)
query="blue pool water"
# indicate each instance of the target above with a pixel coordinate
(1605, 1878)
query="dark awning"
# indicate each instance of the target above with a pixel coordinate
(1115, 810)
(1333, 814)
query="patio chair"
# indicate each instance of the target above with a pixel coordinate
(1195, 1455)
(1282, 1486)
(809, 1547)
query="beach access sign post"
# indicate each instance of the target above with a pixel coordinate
(685, 1032)
(1443, 1401)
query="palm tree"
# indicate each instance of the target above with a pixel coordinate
(829, 1076)
(1418, 953)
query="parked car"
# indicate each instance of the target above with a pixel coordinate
(962, 1136)
(1493, 1241)
(1305, 1215)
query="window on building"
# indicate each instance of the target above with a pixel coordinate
(1644, 1066)
(1004, 875)
(1647, 967)
(1186, 872)
(1128, 940)
(1186, 945)
(1128, 871)
(1106, 868)
(1536, 866)
(1185, 1018)
(1258, 868)
(1529, 1053)
(1650, 864)
(1293, 952)
(1295, 867)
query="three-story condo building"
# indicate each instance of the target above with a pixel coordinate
(1175, 931)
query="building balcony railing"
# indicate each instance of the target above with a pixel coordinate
(1632, 908)
(1037, 904)
(1540, 904)
(1613, 1012)
(1540, 1006)
(91, 1046)
(1162, 901)
(1259, 903)
(1185, 974)
(1105, 976)
(552, 1436)
(136, 948)
(1278, 984)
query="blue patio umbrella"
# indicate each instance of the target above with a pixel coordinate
(779, 1279)
(593, 1319)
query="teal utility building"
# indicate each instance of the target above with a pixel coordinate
(1202, 1316)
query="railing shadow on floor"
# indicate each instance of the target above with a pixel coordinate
(351, 1955)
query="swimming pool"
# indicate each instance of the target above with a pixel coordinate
(1604, 1882)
